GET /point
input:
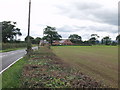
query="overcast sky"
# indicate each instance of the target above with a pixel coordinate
(82, 17)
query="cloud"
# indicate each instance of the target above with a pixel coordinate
(90, 11)
(87, 5)
(103, 28)
(66, 28)
(80, 17)
(105, 16)
(86, 31)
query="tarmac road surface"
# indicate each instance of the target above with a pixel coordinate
(8, 58)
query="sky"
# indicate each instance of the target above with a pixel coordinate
(82, 17)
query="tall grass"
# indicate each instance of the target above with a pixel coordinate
(12, 45)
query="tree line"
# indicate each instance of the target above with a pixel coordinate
(10, 33)
(51, 35)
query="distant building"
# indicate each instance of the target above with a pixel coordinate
(63, 42)
(56, 42)
(43, 42)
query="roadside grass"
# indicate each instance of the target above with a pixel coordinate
(0, 81)
(11, 77)
(99, 62)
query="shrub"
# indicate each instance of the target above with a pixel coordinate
(13, 45)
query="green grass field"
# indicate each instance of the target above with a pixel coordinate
(99, 62)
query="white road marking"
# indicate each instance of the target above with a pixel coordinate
(10, 65)
(6, 54)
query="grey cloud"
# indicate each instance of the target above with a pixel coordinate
(106, 16)
(103, 29)
(85, 32)
(90, 11)
(87, 6)
(79, 6)
(72, 29)
(86, 36)
(65, 35)
(65, 29)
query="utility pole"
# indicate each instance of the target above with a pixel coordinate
(43, 37)
(28, 36)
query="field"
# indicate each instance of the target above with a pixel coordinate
(98, 62)
(43, 69)
(65, 67)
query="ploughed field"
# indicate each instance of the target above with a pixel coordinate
(99, 62)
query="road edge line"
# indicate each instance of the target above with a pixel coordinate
(11, 65)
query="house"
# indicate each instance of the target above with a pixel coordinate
(66, 42)
(63, 42)
(56, 43)
(43, 42)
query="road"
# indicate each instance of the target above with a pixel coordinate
(8, 58)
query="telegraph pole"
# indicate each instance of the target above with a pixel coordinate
(28, 36)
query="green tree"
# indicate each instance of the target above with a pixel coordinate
(94, 35)
(74, 38)
(87, 43)
(9, 31)
(37, 40)
(106, 40)
(51, 34)
(31, 38)
(113, 43)
(118, 39)
(94, 39)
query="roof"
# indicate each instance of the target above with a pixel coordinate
(43, 41)
(62, 41)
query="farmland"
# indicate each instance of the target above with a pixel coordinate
(45, 70)
(99, 62)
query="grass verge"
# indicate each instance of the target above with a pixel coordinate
(11, 77)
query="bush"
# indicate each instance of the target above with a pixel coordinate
(13, 45)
